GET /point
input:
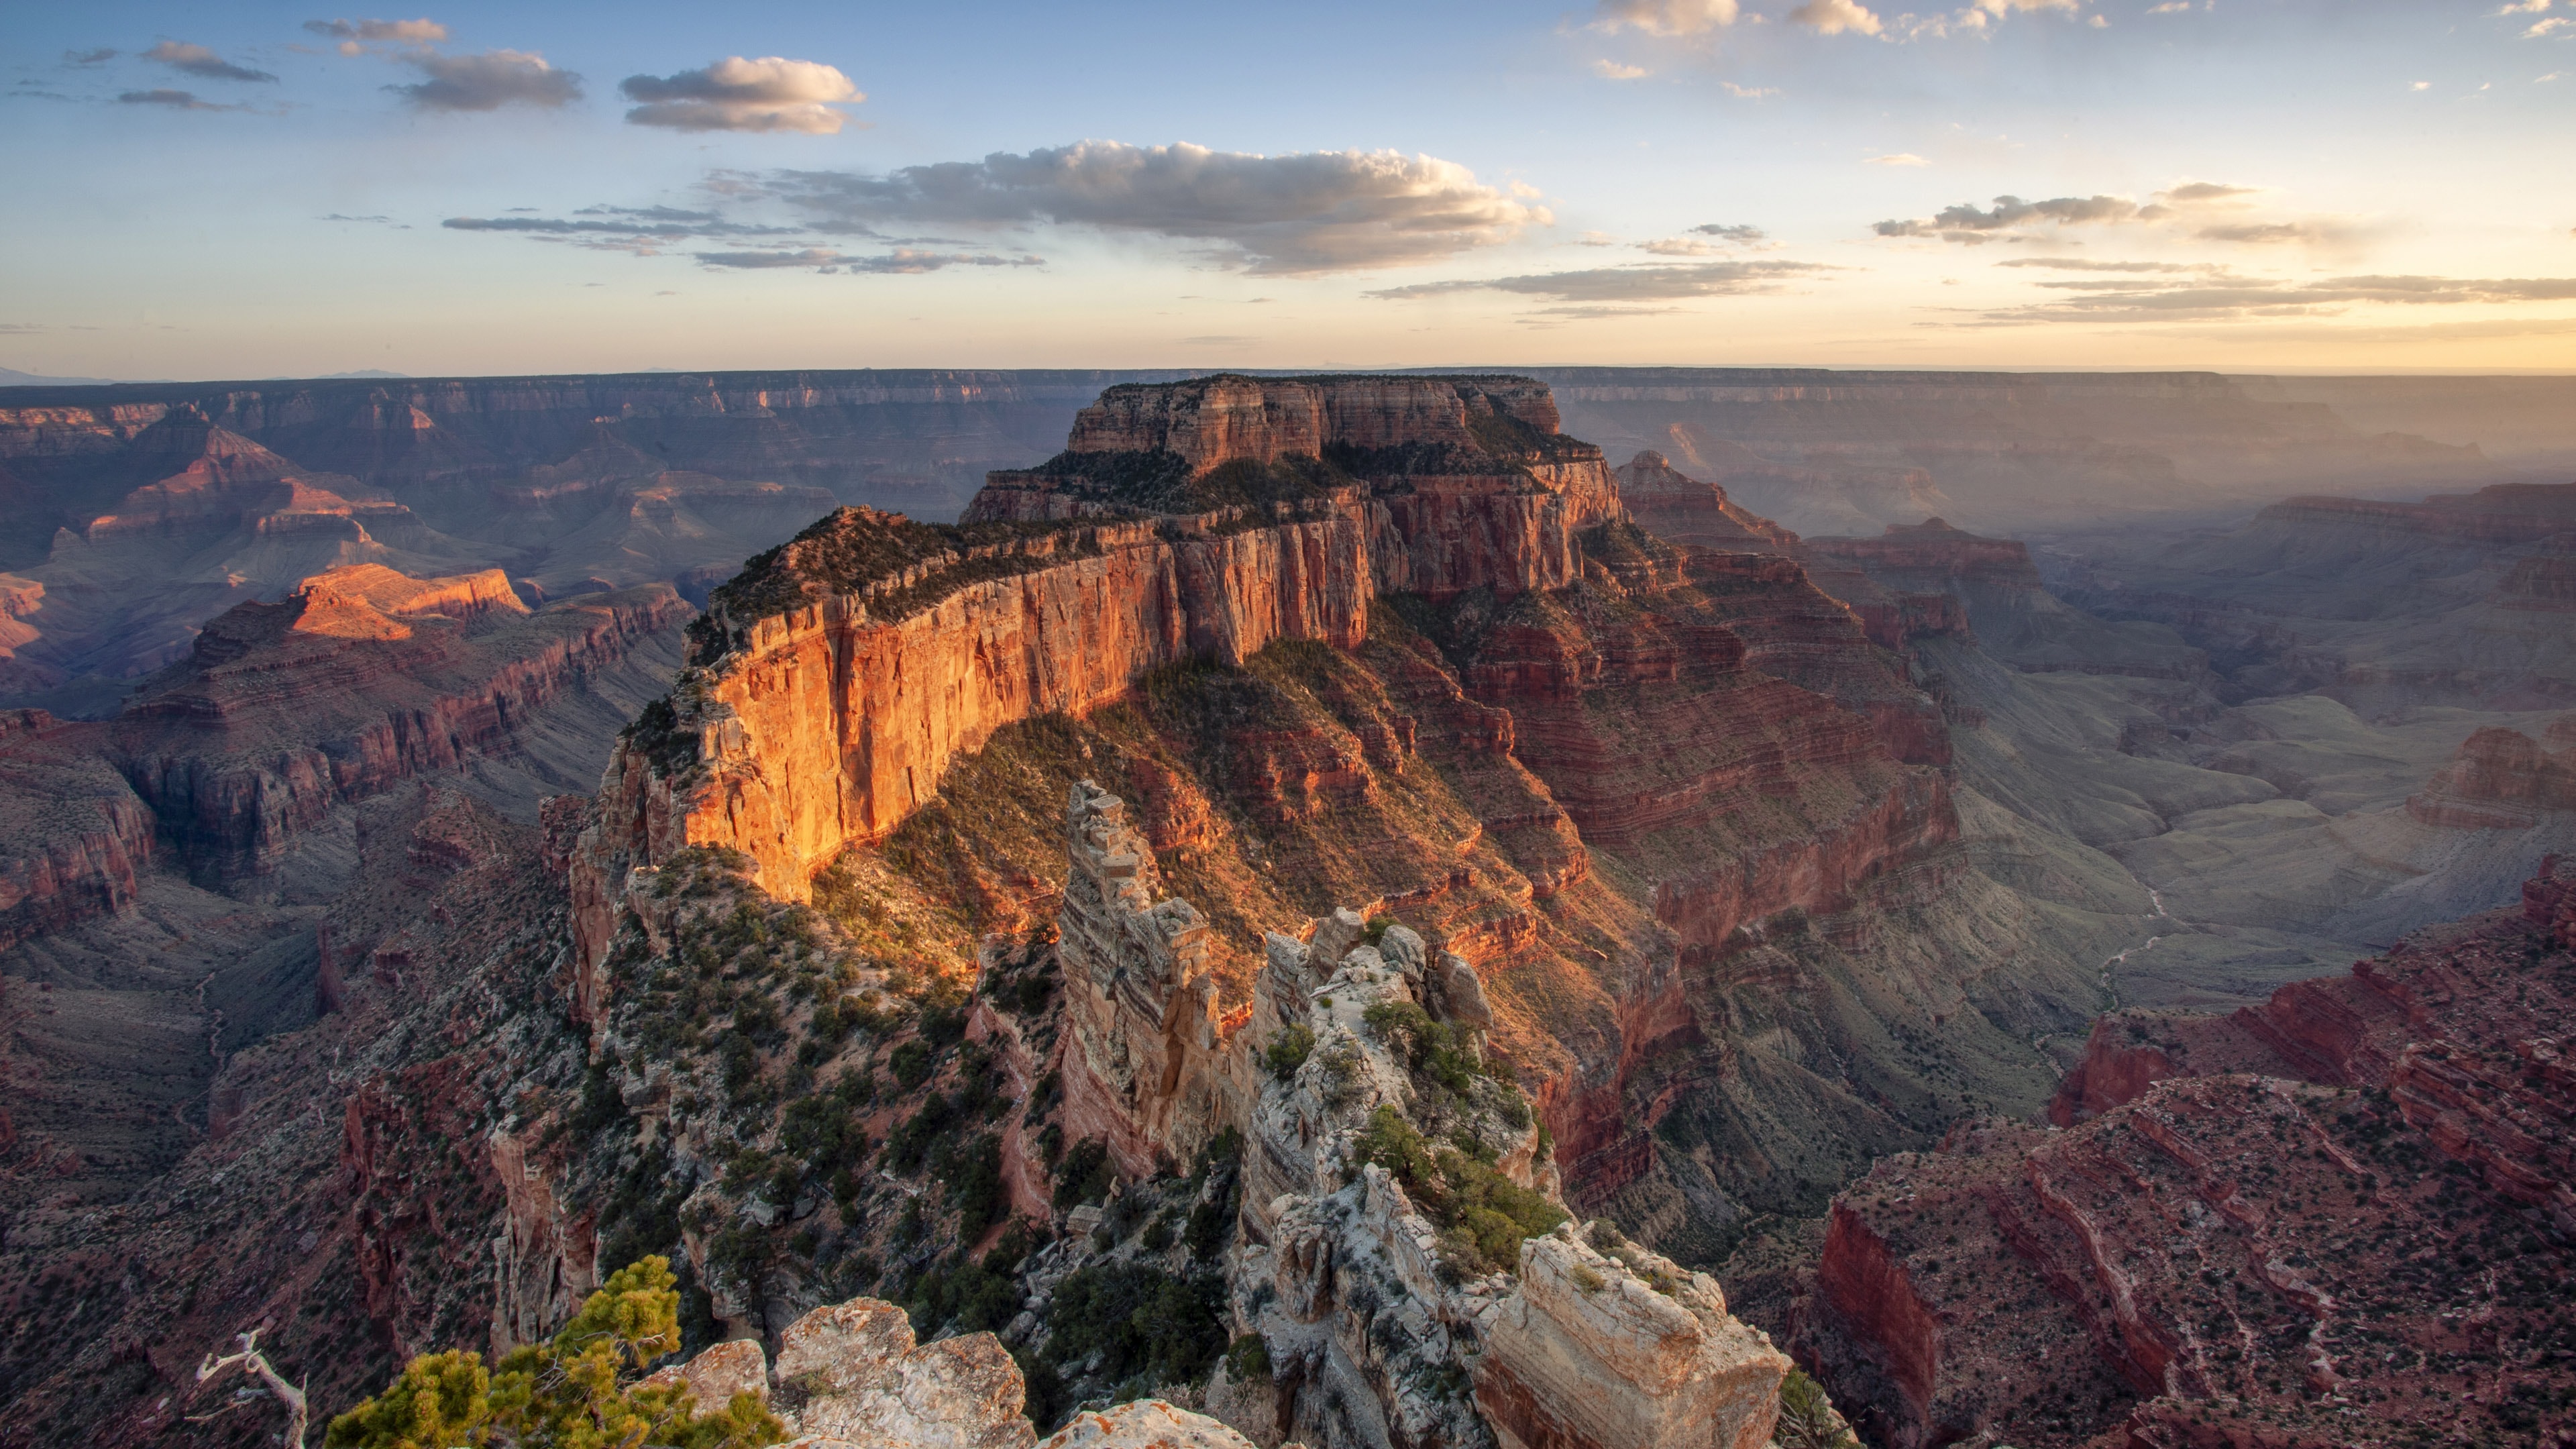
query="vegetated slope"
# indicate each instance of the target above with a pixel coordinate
(2341, 1217)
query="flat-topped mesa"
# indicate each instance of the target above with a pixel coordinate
(836, 678)
(1146, 1071)
(1444, 468)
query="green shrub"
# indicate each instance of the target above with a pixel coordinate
(910, 1063)
(1248, 1360)
(1289, 1050)
(1807, 1418)
(1142, 1321)
(1479, 1206)
(1086, 1174)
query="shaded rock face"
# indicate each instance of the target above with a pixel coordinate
(361, 678)
(2502, 779)
(1146, 1072)
(1673, 505)
(77, 833)
(2454, 600)
(2346, 1212)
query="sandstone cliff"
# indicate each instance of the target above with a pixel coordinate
(2502, 780)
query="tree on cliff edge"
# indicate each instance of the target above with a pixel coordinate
(577, 1392)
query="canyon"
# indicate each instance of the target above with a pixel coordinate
(2340, 1216)
(1327, 872)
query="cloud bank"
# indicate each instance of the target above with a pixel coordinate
(735, 94)
(1297, 214)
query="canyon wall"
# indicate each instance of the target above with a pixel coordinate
(835, 707)
(2274, 1218)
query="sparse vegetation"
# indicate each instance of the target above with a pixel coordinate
(1483, 1215)
(581, 1389)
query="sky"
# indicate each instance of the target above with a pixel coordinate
(207, 191)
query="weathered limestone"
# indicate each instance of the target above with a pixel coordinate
(1146, 1071)
(1590, 1351)
(1145, 1424)
(851, 1373)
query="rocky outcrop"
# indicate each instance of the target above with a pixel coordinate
(1596, 1351)
(285, 709)
(1672, 505)
(1148, 1070)
(2270, 1227)
(78, 835)
(1145, 1424)
(2502, 779)
(851, 1374)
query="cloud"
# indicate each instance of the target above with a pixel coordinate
(1740, 234)
(1965, 222)
(2082, 264)
(2221, 294)
(735, 94)
(100, 56)
(1667, 17)
(1834, 17)
(175, 100)
(2189, 205)
(1894, 158)
(1296, 214)
(902, 260)
(198, 61)
(1749, 93)
(1613, 70)
(656, 223)
(2198, 191)
(1624, 284)
(355, 35)
(487, 82)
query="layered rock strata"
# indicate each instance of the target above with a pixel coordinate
(359, 679)
(856, 663)
(2340, 1217)
(2502, 779)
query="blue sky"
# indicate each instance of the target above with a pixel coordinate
(208, 191)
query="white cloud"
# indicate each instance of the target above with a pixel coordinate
(488, 81)
(1667, 17)
(1302, 213)
(1895, 158)
(1834, 17)
(1613, 70)
(735, 94)
(1749, 93)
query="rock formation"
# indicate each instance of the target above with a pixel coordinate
(1147, 1069)
(2502, 779)
(2343, 1213)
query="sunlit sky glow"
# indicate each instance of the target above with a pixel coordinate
(224, 191)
